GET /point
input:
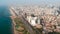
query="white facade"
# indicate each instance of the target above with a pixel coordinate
(32, 20)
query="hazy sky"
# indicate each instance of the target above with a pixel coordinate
(28, 2)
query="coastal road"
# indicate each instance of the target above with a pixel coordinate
(28, 27)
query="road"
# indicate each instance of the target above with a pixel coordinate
(28, 27)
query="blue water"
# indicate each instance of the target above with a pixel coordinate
(5, 21)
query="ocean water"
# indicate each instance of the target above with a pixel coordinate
(5, 21)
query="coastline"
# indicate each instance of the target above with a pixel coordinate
(13, 23)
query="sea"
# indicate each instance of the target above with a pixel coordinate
(5, 21)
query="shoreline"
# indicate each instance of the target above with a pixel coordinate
(13, 23)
